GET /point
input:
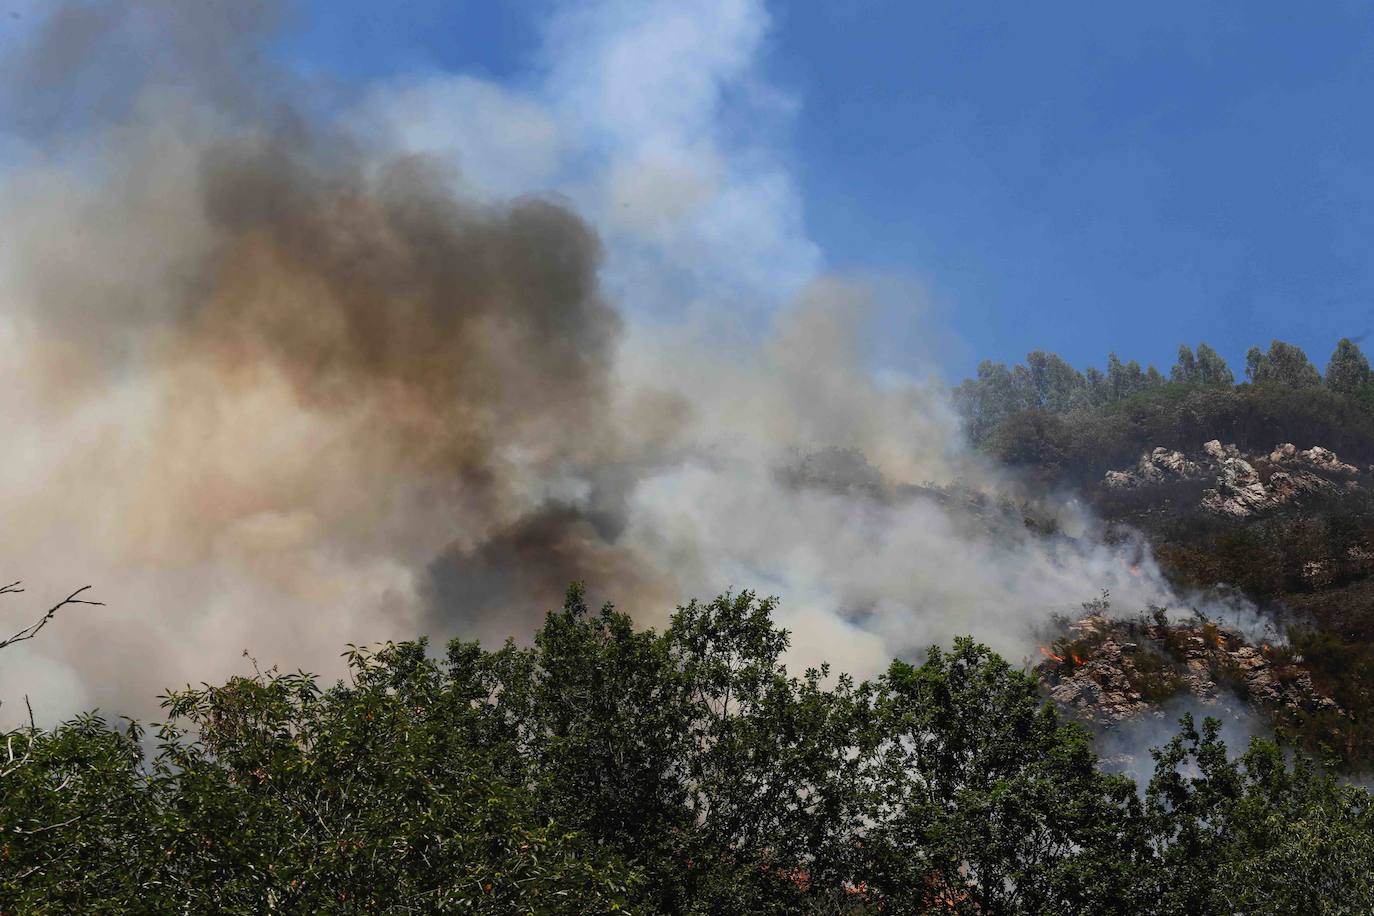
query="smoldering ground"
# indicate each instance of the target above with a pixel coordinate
(272, 385)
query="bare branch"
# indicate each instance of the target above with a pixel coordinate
(31, 631)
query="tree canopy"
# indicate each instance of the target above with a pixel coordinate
(1047, 414)
(1348, 370)
(608, 768)
(1284, 364)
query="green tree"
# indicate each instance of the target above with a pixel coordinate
(982, 800)
(1284, 365)
(1054, 384)
(1212, 369)
(1255, 834)
(1125, 380)
(1348, 370)
(1098, 390)
(1185, 369)
(1206, 368)
(987, 400)
(272, 795)
(610, 768)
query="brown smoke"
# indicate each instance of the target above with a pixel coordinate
(271, 385)
(253, 346)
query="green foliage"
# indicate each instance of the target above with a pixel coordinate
(1046, 384)
(1207, 368)
(271, 795)
(1348, 370)
(607, 768)
(1128, 380)
(1081, 445)
(1256, 834)
(985, 402)
(1285, 365)
(1068, 425)
(998, 810)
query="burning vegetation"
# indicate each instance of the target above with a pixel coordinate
(1109, 671)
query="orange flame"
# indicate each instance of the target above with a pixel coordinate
(1050, 655)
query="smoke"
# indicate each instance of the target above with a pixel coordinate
(278, 382)
(1127, 748)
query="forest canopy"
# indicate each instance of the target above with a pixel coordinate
(608, 768)
(1047, 415)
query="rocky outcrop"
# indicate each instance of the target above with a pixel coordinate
(1315, 457)
(1154, 467)
(1105, 672)
(1243, 485)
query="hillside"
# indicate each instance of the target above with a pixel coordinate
(1261, 491)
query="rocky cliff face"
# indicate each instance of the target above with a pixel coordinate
(1244, 485)
(1106, 671)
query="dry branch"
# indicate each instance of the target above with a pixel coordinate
(30, 631)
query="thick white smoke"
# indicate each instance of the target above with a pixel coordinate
(278, 380)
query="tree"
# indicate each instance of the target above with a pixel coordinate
(1125, 380)
(270, 794)
(984, 801)
(987, 400)
(1207, 368)
(1185, 370)
(1054, 384)
(1255, 834)
(1348, 370)
(1284, 365)
(1098, 390)
(1212, 369)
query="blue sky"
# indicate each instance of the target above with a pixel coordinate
(1079, 177)
(1088, 177)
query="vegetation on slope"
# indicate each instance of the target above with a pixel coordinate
(1072, 426)
(1068, 428)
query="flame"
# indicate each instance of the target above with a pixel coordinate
(1135, 570)
(1077, 659)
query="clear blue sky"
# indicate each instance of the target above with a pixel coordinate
(1079, 177)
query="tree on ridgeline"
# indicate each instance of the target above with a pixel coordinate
(1348, 370)
(1207, 368)
(1045, 383)
(1126, 380)
(1185, 369)
(1098, 392)
(1112, 416)
(1054, 384)
(1212, 370)
(1284, 365)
